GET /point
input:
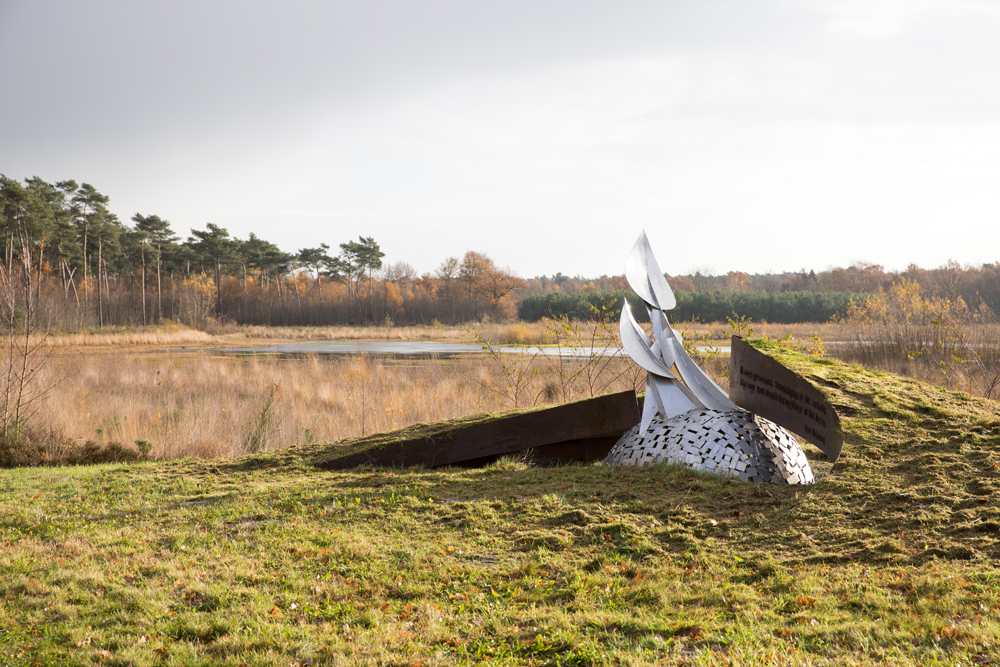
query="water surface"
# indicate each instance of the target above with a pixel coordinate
(423, 348)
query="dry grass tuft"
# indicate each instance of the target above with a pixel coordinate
(518, 333)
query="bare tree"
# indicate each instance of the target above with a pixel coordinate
(24, 350)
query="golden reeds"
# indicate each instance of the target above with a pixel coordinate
(211, 406)
(140, 337)
(517, 333)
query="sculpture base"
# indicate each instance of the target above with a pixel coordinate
(735, 443)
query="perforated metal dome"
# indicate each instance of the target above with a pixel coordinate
(733, 442)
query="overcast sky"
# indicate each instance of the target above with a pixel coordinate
(755, 136)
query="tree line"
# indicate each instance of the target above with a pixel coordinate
(779, 297)
(84, 267)
(710, 306)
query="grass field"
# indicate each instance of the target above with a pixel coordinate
(265, 560)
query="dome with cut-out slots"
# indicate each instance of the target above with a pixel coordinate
(733, 442)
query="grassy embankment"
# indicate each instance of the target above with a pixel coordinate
(891, 559)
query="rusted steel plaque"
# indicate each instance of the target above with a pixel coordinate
(583, 430)
(765, 387)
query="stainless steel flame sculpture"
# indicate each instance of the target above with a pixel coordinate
(693, 422)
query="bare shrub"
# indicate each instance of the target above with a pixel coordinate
(591, 360)
(930, 338)
(516, 381)
(586, 361)
(23, 353)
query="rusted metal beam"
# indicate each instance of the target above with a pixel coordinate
(767, 388)
(583, 430)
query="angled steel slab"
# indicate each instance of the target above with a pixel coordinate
(765, 387)
(582, 430)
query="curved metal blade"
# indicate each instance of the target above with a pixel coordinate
(657, 319)
(697, 380)
(668, 351)
(637, 345)
(645, 277)
(674, 398)
(667, 397)
(665, 353)
(661, 330)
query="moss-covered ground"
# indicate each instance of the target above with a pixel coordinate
(891, 558)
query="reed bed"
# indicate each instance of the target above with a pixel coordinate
(960, 357)
(172, 336)
(515, 333)
(720, 332)
(543, 332)
(414, 333)
(166, 336)
(905, 331)
(222, 406)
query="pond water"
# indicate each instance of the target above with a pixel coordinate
(405, 348)
(418, 348)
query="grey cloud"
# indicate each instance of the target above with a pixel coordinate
(103, 67)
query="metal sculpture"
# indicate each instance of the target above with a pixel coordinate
(690, 420)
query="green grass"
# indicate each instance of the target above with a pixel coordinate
(890, 559)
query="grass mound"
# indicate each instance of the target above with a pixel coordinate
(890, 558)
(920, 464)
(917, 475)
